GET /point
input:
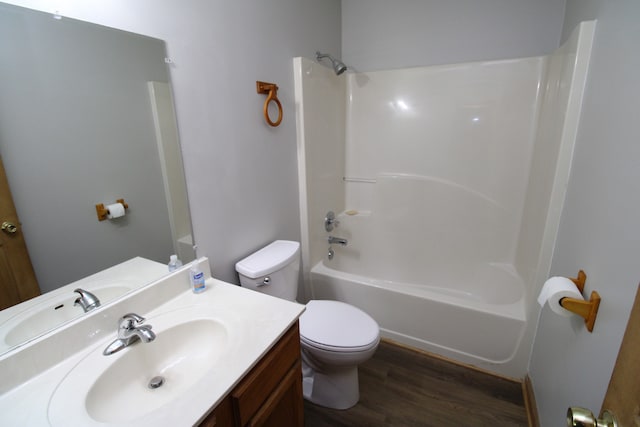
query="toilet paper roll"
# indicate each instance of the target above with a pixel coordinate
(116, 210)
(554, 290)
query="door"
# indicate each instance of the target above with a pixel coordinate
(623, 395)
(17, 279)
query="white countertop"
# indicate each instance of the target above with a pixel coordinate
(32, 373)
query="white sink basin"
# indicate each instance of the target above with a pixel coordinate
(54, 312)
(115, 388)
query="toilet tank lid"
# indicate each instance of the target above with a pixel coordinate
(268, 259)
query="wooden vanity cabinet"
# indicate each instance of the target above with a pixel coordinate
(270, 395)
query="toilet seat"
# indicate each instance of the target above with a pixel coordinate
(337, 327)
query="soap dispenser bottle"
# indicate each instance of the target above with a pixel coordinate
(174, 263)
(197, 279)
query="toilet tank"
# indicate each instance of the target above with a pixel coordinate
(273, 270)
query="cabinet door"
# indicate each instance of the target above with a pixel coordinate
(283, 407)
(273, 389)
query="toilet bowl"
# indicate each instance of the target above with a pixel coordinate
(334, 337)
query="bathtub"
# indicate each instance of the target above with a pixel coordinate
(473, 313)
(430, 264)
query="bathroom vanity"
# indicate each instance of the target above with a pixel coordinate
(225, 357)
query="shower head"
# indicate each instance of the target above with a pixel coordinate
(338, 66)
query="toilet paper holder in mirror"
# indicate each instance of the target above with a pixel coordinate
(103, 212)
(588, 310)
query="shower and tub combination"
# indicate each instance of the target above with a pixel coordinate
(447, 183)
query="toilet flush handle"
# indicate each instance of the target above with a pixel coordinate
(265, 281)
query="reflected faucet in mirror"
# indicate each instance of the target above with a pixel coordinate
(86, 300)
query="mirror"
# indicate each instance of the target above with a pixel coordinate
(86, 117)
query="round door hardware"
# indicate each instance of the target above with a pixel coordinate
(9, 227)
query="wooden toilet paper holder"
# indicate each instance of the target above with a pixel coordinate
(585, 309)
(104, 212)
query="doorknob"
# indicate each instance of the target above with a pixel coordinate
(9, 227)
(581, 417)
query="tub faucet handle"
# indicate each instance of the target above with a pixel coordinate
(330, 221)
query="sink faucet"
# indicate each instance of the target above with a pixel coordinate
(128, 333)
(337, 240)
(86, 300)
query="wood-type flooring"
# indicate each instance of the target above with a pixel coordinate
(401, 387)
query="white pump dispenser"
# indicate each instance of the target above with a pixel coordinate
(174, 263)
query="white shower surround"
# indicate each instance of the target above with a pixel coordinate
(457, 174)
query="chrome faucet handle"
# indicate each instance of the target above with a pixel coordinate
(145, 333)
(132, 317)
(330, 221)
(126, 322)
(130, 331)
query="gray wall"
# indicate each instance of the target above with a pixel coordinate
(383, 34)
(599, 230)
(76, 129)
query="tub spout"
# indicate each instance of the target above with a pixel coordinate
(337, 240)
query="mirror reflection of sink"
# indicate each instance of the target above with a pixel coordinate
(116, 388)
(53, 311)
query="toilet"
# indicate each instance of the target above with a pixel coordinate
(334, 337)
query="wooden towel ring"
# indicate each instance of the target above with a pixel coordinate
(271, 89)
